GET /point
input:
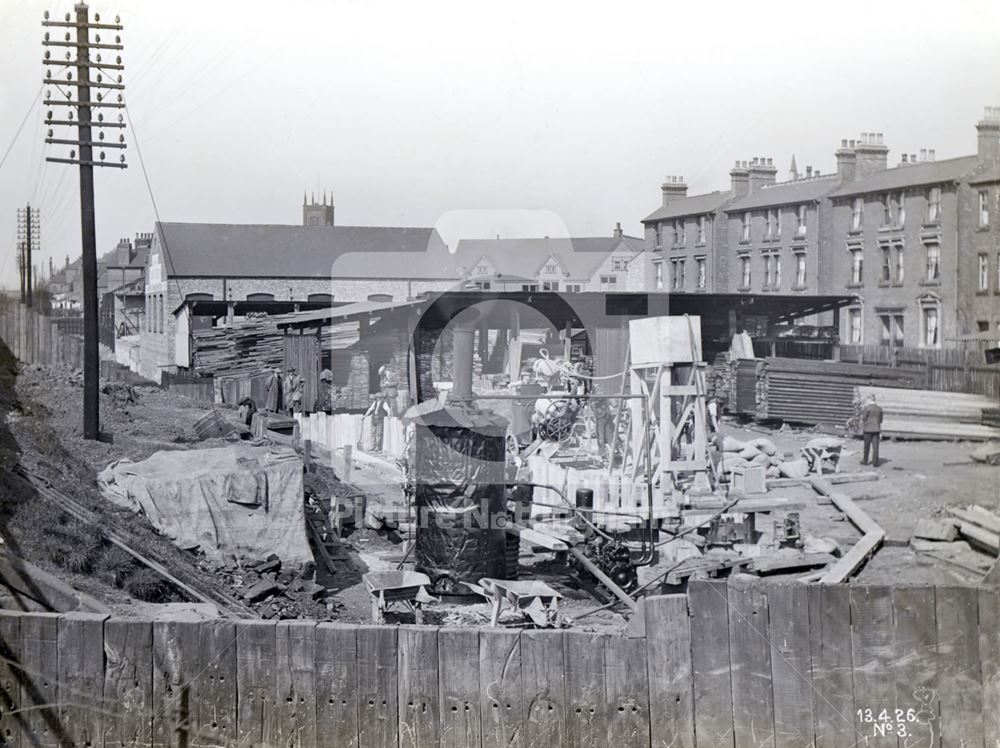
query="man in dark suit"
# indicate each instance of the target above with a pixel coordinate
(871, 429)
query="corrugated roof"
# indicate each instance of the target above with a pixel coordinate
(266, 251)
(690, 206)
(579, 257)
(785, 193)
(926, 172)
(347, 312)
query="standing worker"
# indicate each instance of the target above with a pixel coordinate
(389, 386)
(272, 388)
(324, 398)
(871, 428)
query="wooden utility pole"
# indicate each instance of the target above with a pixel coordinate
(84, 124)
(27, 243)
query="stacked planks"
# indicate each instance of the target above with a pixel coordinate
(809, 391)
(928, 414)
(249, 346)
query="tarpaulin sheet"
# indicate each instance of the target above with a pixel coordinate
(459, 498)
(239, 500)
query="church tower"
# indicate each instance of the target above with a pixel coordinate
(317, 214)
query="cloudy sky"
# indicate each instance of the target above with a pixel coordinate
(407, 111)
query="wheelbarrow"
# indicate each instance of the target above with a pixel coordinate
(406, 587)
(537, 601)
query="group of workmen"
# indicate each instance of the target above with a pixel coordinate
(286, 394)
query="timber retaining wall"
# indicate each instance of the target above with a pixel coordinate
(729, 664)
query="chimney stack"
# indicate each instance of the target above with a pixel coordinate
(809, 172)
(871, 154)
(988, 129)
(673, 189)
(761, 173)
(740, 179)
(846, 160)
(618, 230)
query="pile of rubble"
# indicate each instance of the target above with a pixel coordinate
(273, 591)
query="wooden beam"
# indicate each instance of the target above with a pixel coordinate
(535, 538)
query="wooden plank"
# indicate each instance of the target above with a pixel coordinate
(960, 671)
(989, 657)
(980, 518)
(256, 707)
(668, 665)
(977, 536)
(81, 677)
(872, 651)
(627, 689)
(916, 667)
(24, 578)
(586, 697)
(710, 661)
(215, 688)
(336, 685)
(40, 682)
(377, 688)
(753, 701)
(294, 723)
(458, 680)
(544, 682)
(851, 561)
(175, 664)
(128, 682)
(419, 704)
(501, 702)
(791, 664)
(11, 720)
(833, 688)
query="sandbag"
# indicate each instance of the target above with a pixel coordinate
(761, 460)
(731, 461)
(825, 442)
(794, 468)
(729, 444)
(765, 445)
(748, 452)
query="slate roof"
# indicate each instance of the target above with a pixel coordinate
(579, 257)
(269, 251)
(690, 206)
(910, 175)
(991, 174)
(785, 193)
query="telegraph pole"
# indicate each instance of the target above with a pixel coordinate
(84, 124)
(27, 243)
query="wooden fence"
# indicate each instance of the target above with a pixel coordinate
(38, 339)
(743, 664)
(947, 369)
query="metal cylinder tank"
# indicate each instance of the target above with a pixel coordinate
(459, 460)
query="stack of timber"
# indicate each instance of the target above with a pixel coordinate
(809, 391)
(248, 346)
(928, 414)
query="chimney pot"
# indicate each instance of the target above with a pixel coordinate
(843, 143)
(904, 159)
(880, 138)
(770, 162)
(913, 157)
(809, 171)
(930, 154)
(923, 154)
